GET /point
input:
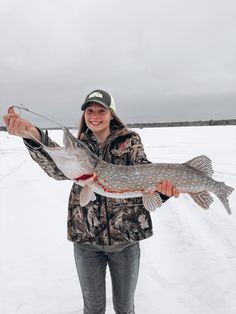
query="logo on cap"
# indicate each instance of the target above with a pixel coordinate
(95, 95)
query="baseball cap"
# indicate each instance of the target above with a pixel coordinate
(101, 97)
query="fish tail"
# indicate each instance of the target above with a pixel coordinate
(223, 194)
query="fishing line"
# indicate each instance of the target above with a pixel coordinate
(21, 107)
(39, 115)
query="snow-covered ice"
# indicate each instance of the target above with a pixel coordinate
(187, 267)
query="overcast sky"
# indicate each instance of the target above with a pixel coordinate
(162, 60)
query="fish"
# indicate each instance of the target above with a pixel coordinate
(97, 176)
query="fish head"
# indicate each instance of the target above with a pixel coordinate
(69, 140)
(77, 147)
(74, 159)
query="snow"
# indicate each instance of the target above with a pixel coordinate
(187, 267)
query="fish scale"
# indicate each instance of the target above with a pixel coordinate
(79, 164)
(139, 177)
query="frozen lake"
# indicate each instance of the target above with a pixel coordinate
(187, 267)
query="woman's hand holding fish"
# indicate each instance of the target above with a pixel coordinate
(166, 188)
(20, 127)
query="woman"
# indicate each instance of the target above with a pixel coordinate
(106, 231)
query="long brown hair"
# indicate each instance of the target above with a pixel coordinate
(115, 124)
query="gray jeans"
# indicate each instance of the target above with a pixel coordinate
(123, 262)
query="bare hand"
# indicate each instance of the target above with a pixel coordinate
(17, 126)
(166, 188)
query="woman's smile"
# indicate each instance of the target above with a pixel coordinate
(95, 122)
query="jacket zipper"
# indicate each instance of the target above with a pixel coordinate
(105, 203)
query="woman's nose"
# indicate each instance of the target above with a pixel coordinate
(95, 114)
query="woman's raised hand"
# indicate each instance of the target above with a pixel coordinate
(17, 126)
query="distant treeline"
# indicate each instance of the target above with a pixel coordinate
(166, 124)
(182, 123)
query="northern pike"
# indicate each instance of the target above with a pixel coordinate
(83, 167)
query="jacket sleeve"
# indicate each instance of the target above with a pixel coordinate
(138, 156)
(42, 158)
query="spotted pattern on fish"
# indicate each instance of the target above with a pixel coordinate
(193, 177)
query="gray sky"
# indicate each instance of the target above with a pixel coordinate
(162, 60)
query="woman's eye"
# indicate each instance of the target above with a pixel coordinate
(90, 111)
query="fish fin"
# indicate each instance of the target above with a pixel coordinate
(93, 196)
(225, 192)
(86, 195)
(203, 199)
(201, 163)
(151, 201)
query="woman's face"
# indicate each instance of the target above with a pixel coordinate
(97, 118)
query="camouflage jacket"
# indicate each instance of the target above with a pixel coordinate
(105, 221)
